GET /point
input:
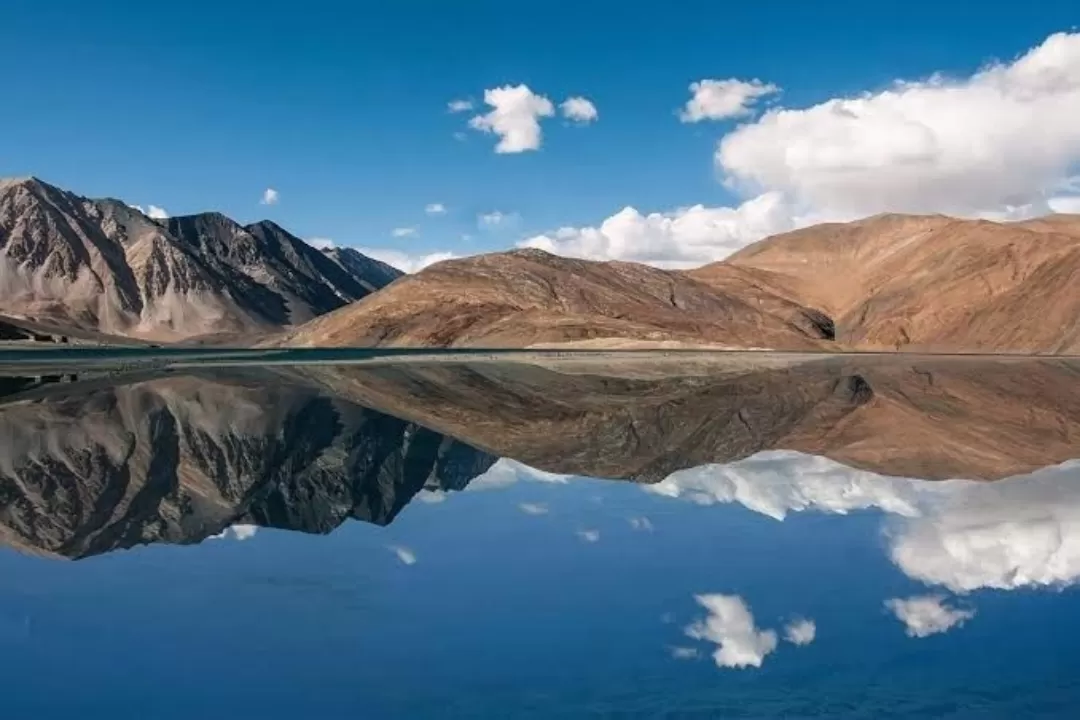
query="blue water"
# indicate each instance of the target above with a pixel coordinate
(505, 613)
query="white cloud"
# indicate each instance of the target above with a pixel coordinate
(435, 209)
(579, 110)
(269, 197)
(723, 99)
(533, 508)
(686, 237)
(1023, 532)
(240, 533)
(497, 219)
(152, 211)
(515, 117)
(641, 523)
(403, 232)
(506, 472)
(684, 653)
(404, 554)
(320, 243)
(457, 106)
(927, 614)
(406, 262)
(730, 626)
(999, 144)
(1004, 138)
(777, 482)
(589, 536)
(800, 632)
(431, 497)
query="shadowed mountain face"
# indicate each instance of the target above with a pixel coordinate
(95, 465)
(90, 468)
(103, 266)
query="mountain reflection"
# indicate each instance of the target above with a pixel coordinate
(94, 464)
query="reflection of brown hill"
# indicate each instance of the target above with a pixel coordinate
(176, 459)
(927, 418)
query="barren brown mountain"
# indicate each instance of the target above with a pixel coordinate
(529, 297)
(931, 282)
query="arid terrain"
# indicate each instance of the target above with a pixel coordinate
(103, 270)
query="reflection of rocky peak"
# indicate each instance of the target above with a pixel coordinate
(177, 459)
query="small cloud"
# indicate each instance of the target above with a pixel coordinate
(641, 523)
(236, 532)
(403, 232)
(320, 243)
(514, 117)
(730, 626)
(152, 211)
(926, 615)
(269, 197)
(457, 106)
(497, 219)
(406, 262)
(723, 99)
(460, 136)
(533, 508)
(684, 653)
(579, 110)
(800, 631)
(431, 497)
(404, 554)
(589, 536)
(435, 209)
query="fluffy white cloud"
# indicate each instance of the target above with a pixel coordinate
(800, 632)
(589, 536)
(641, 523)
(533, 508)
(999, 144)
(926, 615)
(152, 211)
(457, 106)
(403, 232)
(506, 472)
(404, 554)
(1004, 138)
(777, 482)
(406, 262)
(723, 99)
(1022, 532)
(270, 196)
(435, 209)
(320, 243)
(431, 497)
(239, 533)
(686, 237)
(514, 117)
(730, 626)
(579, 110)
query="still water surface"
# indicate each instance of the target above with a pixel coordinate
(425, 540)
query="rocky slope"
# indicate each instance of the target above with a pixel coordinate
(931, 282)
(92, 467)
(100, 265)
(529, 297)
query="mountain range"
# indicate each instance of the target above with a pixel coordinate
(888, 282)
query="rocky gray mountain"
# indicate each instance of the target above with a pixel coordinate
(372, 273)
(103, 266)
(91, 467)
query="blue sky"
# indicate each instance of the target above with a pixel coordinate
(342, 107)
